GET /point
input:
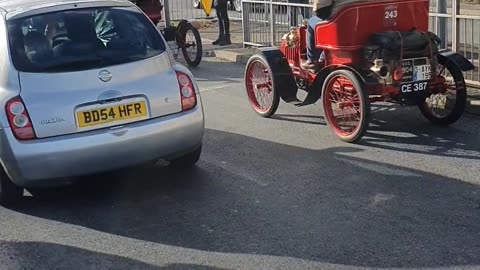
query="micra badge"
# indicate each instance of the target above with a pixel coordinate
(52, 120)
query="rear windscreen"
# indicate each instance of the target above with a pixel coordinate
(80, 39)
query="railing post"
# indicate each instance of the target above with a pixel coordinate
(272, 25)
(166, 12)
(455, 12)
(245, 23)
(442, 22)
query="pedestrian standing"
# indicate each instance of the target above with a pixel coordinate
(221, 7)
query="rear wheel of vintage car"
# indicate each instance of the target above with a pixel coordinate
(191, 44)
(260, 86)
(9, 192)
(447, 106)
(346, 106)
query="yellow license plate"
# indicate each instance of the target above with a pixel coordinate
(111, 114)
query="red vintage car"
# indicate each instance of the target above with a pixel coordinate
(375, 51)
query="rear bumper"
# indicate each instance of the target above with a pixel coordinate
(45, 161)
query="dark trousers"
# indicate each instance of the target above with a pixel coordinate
(222, 14)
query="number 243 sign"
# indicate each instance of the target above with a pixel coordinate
(390, 15)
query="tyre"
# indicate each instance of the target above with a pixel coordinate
(191, 44)
(187, 161)
(9, 192)
(346, 106)
(447, 106)
(260, 86)
(197, 4)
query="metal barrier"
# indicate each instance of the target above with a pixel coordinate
(191, 9)
(457, 22)
(264, 28)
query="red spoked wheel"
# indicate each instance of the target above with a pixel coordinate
(260, 86)
(346, 107)
(447, 103)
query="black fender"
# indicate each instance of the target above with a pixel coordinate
(457, 59)
(283, 79)
(182, 26)
(316, 88)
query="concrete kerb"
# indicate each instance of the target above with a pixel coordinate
(236, 55)
(473, 105)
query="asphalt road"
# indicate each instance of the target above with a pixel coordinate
(279, 193)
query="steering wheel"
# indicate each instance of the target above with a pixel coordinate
(56, 39)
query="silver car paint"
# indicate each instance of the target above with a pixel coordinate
(152, 79)
(38, 162)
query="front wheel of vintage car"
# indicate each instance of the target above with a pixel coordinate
(187, 161)
(448, 104)
(346, 106)
(260, 86)
(9, 192)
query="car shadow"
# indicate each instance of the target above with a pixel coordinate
(405, 130)
(275, 199)
(42, 255)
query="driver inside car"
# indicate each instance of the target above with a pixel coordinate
(322, 10)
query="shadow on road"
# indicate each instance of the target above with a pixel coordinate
(420, 136)
(40, 255)
(274, 199)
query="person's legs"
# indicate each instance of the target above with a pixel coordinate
(221, 25)
(313, 54)
(223, 10)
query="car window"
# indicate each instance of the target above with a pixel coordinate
(82, 39)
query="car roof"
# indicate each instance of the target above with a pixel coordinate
(25, 6)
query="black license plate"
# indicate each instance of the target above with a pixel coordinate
(414, 87)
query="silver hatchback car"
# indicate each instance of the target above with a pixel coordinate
(89, 86)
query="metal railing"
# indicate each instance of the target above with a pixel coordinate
(191, 9)
(264, 28)
(457, 22)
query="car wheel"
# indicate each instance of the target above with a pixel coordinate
(9, 192)
(188, 160)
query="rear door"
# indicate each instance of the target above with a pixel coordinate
(109, 68)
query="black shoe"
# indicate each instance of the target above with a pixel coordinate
(311, 66)
(225, 41)
(220, 38)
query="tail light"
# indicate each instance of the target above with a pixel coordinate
(19, 119)
(398, 73)
(187, 92)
